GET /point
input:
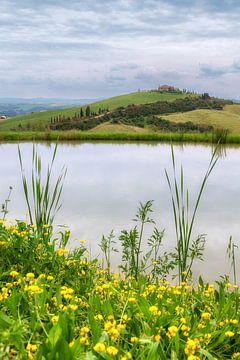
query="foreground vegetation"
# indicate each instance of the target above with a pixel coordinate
(62, 304)
(57, 304)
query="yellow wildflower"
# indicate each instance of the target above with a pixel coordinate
(84, 330)
(111, 350)
(33, 289)
(14, 273)
(134, 339)
(55, 319)
(156, 338)
(31, 347)
(229, 333)
(236, 355)
(30, 276)
(172, 331)
(99, 347)
(132, 300)
(98, 317)
(154, 310)
(206, 316)
(191, 346)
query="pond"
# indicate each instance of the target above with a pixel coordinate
(106, 182)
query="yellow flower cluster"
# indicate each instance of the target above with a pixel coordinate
(61, 252)
(66, 292)
(110, 350)
(33, 289)
(172, 331)
(206, 316)
(84, 334)
(112, 328)
(154, 310)
(5, 292)
(191, 347)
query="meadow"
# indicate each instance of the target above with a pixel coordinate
(228, 118)
(57, 303)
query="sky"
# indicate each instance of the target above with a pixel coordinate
(96, 49)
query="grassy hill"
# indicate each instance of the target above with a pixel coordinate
(228, 118)
(43, 118)
(108, 128)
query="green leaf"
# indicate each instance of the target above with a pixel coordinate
(174, 355)
(206, 353)
(5, 321)
(54, 334)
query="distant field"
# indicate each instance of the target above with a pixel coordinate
(43, 118)
(228, 118)
(118, 128)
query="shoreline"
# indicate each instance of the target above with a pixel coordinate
(207, 138)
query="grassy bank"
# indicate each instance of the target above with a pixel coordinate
(91, 136)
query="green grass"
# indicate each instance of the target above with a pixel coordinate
(118, 128)
(75, 135)
(43, 118)
(228, 118)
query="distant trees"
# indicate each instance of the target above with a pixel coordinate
(141, 115)
(205, 96)
(88, 111)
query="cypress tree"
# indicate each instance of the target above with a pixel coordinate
(88, 111)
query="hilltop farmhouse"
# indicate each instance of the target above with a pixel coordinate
(166, 88)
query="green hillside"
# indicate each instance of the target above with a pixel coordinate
(228, 118)
(43, 118)
(108, 128)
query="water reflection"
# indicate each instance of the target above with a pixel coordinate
(105, 182)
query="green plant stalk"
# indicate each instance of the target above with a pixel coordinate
(231, 254)
(5, 204)
(42, 202)
(180, 204)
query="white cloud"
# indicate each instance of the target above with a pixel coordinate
(118, 45)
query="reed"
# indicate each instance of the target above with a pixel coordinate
(231, 252)
(42, 195)
(187, 249)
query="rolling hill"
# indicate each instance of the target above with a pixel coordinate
(41, 119)
(228, 118)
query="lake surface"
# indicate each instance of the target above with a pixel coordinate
(105, 183)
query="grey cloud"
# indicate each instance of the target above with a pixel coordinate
(111, 78)
(124, 66)
(120, 45)
(210, 71)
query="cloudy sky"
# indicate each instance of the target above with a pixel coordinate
(89, 49)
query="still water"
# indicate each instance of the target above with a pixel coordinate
(105, 183)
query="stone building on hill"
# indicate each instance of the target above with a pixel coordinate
(166, 88)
